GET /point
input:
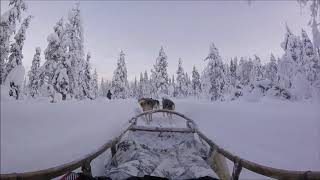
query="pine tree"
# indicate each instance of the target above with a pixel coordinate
(134, 88)
(196, 84)
(188, 85)
(233, 72)
(257, 70)
(8, 22)
(160, 79)
(147, 85)
(94, 85)
(272, 70)
(88, 81)
(181, 81)
(76, 60)
(102, 88)
(120, 84)
(16, 56)
(213, 76)
(291, 58)
(245, 68)
(34, 79)
(55, 53)
(140, 87)
(310, 60)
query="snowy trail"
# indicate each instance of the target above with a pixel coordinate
(37, 134)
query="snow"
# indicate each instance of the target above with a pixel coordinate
(16, 75)
(36, 134)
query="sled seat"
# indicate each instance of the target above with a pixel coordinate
(173, 153)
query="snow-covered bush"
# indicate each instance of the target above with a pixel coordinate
(15, 80)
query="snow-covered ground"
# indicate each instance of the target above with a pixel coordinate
(36, 134)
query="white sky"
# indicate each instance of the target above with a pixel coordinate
(184, 28)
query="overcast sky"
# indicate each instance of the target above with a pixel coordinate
(184, 28)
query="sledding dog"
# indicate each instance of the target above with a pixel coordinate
(168, 105)
(148, 104)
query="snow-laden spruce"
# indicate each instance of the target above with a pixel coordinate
(88, 81)
(8, 23)
(272, 70)
(34, 75)
(94, 85)
(181, 81)
(159, 76)
(75, 58)
(53, 73)
(195, 83)
(213, 81)
(66, 71)
(120, 85)
(16, 56)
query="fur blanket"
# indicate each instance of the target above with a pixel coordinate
(161, 154)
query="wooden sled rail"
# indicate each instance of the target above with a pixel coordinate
(84, 163)
(261, 169)
(50, 173)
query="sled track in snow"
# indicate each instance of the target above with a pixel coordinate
(216, 151)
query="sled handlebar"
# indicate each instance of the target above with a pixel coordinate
(189, 122)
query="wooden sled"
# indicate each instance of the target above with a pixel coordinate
(216, 158)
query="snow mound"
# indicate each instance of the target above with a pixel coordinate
(16, 76)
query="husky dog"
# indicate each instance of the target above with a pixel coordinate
(168, 105)
(148, 104)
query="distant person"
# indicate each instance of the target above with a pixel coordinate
(109, 94)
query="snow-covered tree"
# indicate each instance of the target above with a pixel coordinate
(272, 70)
(134, 88)
(188, 85)
(181, 81)
(213, 77)
(233, 72)
(16, 56)
(314, 6)
(94, 85)
(120, 85)
(291, 58)
(195, 83)
(140, 86)
(8, 22)
(75, 58)
(160, 78)
(34, 79)
(310, 59)
(88, 88)
(55, 53)
(257, 70)
(245, 68)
